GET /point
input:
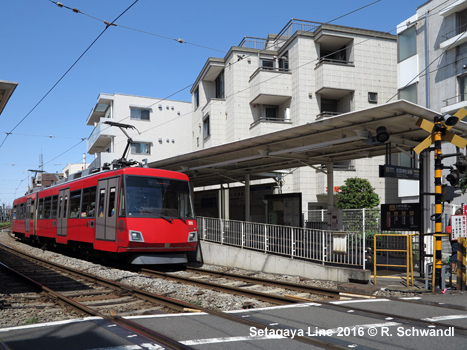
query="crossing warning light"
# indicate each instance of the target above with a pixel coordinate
(458, 171)
(447, 121)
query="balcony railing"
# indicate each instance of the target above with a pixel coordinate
(271, 120)
(253, 43)
(269, 69)
(334, 61)
(327, 114)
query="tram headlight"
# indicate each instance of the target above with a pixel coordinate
(136, 236)
(192, 237)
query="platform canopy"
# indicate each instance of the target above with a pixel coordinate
(340, 138)
(6, 89)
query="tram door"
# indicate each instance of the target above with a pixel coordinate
(63, 202)
(29, 209)
(106, 220)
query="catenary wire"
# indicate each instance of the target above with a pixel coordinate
(63, 76)
(179, 40)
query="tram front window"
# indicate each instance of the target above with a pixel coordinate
(157, 197)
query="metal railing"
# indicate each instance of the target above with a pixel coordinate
(253, 43)
(294, 242)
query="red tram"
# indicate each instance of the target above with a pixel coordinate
(145, 215)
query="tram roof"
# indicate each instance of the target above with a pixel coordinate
(330, 140)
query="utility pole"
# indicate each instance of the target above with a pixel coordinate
(437, 262)
(439, 131)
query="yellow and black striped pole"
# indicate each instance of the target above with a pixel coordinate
(461, 263)
(437, 262)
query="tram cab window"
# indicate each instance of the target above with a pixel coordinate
(157, 197)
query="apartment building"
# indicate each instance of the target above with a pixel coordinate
(432, 63)
(307, 72)
(160, 128)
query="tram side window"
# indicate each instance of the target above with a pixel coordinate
(112, 201)
(121, 210)
(65, 207)
(41, 208)
(20, 212)
(53, 207)
(101, 202)
(31, 210)
(88, 209)
(47, 207)
(75, 204)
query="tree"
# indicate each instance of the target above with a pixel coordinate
(356, 194)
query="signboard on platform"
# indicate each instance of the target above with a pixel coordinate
(400, 217)
(458, 226)
(399, 172)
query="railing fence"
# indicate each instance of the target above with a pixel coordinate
(315, 242)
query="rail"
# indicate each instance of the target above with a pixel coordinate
(316, 245)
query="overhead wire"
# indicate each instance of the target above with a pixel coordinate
(246, 56)
(67, 71)
(108, 24)
(249, 87)
(179, 40)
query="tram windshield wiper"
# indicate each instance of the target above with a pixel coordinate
(174, 212)
(165, 218)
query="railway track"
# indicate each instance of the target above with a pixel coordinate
(280, 292)
(83, 297)
(339, 307)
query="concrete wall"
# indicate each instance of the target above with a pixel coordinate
(218, 254)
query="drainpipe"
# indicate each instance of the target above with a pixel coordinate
(427, 62)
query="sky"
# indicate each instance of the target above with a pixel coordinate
(47, 50)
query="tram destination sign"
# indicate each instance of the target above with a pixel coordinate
(399, 172)
(400, 217)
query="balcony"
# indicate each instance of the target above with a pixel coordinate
(270, 86)
(453, 42)
(102, 107)
(334, 74)
(453, 104)
(100, 137)
(333, 102)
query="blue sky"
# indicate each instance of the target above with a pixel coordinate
(41, 41)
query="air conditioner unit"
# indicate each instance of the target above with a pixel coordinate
(287, 114)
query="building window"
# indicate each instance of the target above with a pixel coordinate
(284, 62)
(462, 49)
(267, 63)
(409, 93)
(462, 88)
(373, 97)
(271, 112)
(337, 56)
(462, 22)
(196, 98)
(206, 127)
(139, 114)
(140, 148)
(220, 85)
(407, 43)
